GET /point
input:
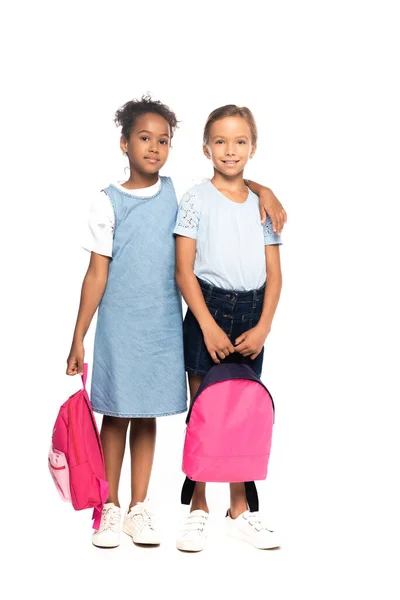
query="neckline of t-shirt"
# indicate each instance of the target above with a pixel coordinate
(228, 199)
(134, 193)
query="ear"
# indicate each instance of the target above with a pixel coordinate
(253, 150)
(123, 144)
(206, 151)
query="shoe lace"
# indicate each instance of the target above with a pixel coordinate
(143, 515)
(254, 519)
(195, 522)
(109, 519)
(147, 518)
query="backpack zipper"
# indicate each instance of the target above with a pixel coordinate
(202, 388)
(71, 420)
(56, 468)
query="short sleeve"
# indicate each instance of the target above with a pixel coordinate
(187, 222)
(270, 237)
(99, 232)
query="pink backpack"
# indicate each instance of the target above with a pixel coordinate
(229, 431)
(76, 461)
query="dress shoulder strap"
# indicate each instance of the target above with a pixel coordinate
(167, 181)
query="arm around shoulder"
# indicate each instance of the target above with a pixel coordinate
(269, 205)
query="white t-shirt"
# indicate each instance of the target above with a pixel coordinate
(230, 237)
(99, 233)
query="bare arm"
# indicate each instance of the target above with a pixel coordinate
(187, 281)
(273, 287)
(269, 205)
(216, 340)
(93, 287)
(251, 342)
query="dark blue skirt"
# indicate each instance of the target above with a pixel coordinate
(235, 312)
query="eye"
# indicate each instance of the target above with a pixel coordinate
(241, 142)
(219, 142)
(144, 138)
(163, 142)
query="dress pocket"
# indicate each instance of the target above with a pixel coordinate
(59, 471)
(250, 320)
(251, 317)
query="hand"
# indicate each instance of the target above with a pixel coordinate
(75, 359)
(251, 342)
(269, 204)
(217, 342)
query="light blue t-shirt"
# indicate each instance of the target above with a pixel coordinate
(230, 237)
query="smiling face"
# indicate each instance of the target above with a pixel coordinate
(229, 145)
(149, 143)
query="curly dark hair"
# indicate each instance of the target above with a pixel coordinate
(126, 116)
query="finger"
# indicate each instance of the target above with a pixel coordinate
(283, 218)
(254, 356)
(240, 347)
(250, 350)
(71, 367)
(284, 215)
(231, 348)
(240, 339)
(214, 357)
(246, 351)
(275, 222)
(279, 225)
(263, 214)
(80, 366)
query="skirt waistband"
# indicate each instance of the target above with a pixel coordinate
(212, 291)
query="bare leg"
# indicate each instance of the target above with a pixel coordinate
(199, 501)
(142, 442)
(238, 499)
(113, 440)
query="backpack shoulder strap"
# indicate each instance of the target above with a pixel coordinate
(187, 491)
(251, 496)
(250, 487)
(85, 374)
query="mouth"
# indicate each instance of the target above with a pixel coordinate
(152, 161)
(230, 163)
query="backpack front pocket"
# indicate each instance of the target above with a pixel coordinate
(59, 471)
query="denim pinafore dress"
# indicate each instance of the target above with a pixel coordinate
(138, 367)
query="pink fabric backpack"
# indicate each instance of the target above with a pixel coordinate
(229, 431)
(76, 461)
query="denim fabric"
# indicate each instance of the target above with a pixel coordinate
(235, 312)
(138, 366)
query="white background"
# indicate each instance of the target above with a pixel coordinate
(322, 81)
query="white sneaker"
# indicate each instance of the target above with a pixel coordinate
(249, 527)
(194, 532)
(108, 534)
(139, 524)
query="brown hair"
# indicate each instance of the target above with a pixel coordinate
(231, 110)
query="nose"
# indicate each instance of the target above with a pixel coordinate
(153, 147)
(230, 151)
